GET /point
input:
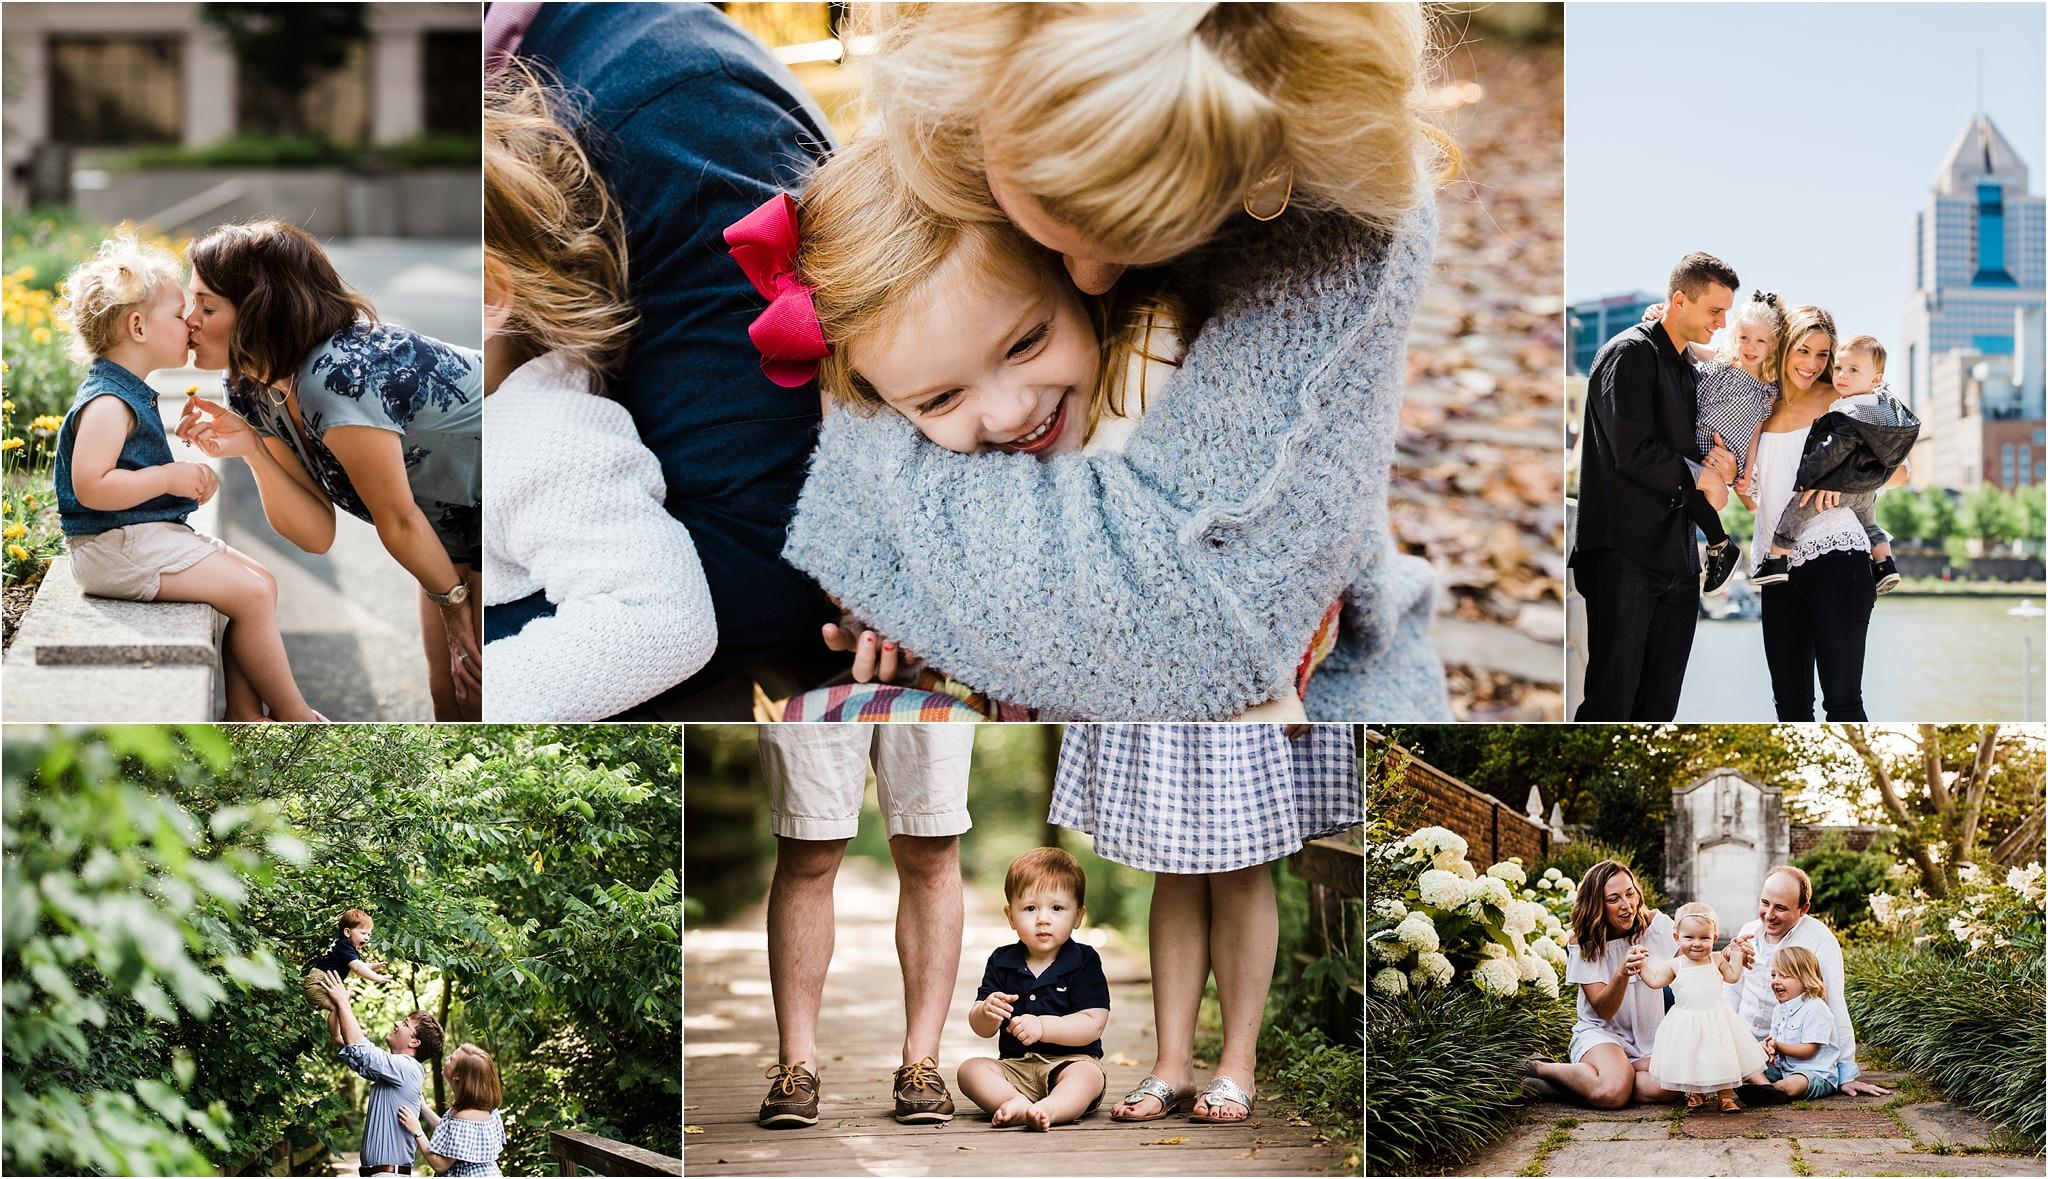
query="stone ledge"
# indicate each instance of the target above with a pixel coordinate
(122, 695)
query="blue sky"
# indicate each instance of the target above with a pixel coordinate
(1794, 141)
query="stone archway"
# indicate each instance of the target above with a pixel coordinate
(1725, 832)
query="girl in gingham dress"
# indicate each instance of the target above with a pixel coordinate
(470, 1136)
(1738, 381)
(1207, 808)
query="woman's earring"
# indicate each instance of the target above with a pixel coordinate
(1259, 203)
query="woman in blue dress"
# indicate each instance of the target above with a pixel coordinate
(468, 1138)
(1207, 809)
(331, 408)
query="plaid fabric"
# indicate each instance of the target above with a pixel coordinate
(1733, 404)
(878, 702)
(1205, 798)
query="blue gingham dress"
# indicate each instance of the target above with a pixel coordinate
(1205, 798)
(1733, 404)
(475, 1144)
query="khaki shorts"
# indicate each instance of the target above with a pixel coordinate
(817, 774)
(311, 984)
(129, 562)
(1032, 1074)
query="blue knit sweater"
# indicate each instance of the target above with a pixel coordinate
(1182, 577)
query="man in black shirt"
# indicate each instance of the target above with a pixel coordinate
(1639, 473)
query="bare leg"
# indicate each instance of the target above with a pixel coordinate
(243, 702)
(1178, 928)
(1647, 1089)
(986, 1085)
(1791, 1084)
(1602, 1078)
(434, 638)
(1080, 1083)
(247, 594)
(800, 941)
(929, 916)
(1244, 937)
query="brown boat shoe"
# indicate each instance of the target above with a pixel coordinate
(921, 1095)
(792, 1099)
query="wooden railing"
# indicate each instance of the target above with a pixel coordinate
(580, 1152)
(1335, 871)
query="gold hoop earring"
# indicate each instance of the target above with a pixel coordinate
(1282, 171)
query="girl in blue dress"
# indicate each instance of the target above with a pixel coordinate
(331, 408)
(469, 1137)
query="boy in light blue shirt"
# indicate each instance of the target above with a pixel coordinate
(1800, 1052)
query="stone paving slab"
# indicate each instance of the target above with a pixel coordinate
(1785, 1122)
(1677, 1157)
(1508, 1155)
(1896, 1156)
(1657, 1131)
(1548, 1112)
(1946, 1122)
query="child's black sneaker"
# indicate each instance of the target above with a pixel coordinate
(1772, 571)
(1721, 560)
(1887, 574)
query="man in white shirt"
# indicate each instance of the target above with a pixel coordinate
(1782, 920)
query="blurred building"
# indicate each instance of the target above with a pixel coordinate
(1595, 321)
(82, 76)
(1980, 254)
(1981, 418)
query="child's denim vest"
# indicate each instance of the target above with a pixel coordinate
(147, 446)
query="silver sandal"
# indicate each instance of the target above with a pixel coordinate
(1222, 1088)
(1169, 1100)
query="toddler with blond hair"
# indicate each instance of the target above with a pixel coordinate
(123, 498)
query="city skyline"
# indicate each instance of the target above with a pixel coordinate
(1808, 176)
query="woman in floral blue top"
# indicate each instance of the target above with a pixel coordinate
(469, 1137)
(331, 408)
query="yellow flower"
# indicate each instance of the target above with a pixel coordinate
(7, 405)
(12, 444)
(17, 552)
(191, 390)
(15, 531)
(48, 421)
(41, 335)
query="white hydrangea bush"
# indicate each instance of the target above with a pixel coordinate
(1453, 925)
(1980, 911)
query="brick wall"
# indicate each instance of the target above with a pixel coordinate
(1492, 830)
(1856, 838)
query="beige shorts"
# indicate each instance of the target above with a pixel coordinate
(817, 774)
(130, 562)
(1032, 1074)
(315, 991)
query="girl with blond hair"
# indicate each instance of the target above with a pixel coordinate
(1283, 187)
(598, 601)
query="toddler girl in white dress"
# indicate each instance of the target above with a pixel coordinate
(1702, 1045)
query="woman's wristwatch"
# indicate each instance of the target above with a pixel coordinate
(454, 597)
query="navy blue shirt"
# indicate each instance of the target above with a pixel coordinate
(337, 957)
(693, 124)
(1074, 982)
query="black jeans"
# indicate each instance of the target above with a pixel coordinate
(1819, 620)
(1639, 625)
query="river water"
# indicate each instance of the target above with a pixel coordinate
(1929, 659)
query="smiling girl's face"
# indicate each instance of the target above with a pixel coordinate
(1753, 341)
(1695, 938)
(988, 357)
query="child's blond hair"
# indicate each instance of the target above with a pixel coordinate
(867, 244)
(1143, 126)
(1697, 909)
(124, 275)
(1800, 963)
(1760, 308)
(1869, 347)
(554, 241)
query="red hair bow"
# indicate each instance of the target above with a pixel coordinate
(788, 334)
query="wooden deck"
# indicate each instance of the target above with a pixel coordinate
(729, 1040)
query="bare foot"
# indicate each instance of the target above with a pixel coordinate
(1037, 1117)
(1010, 1112)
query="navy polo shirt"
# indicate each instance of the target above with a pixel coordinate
(692, 124)
(337, 958)
(1074, 982)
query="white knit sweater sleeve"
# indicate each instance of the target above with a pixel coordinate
(576, 510)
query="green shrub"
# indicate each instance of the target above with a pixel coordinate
(1971, 1024)
(1574, 858)
(1843, 880)
(1443, 1072)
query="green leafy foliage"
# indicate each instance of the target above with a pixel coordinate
(1843, 880)
(1445, 1071)
(1971, 1024)
(1574, 858)
(164, 889)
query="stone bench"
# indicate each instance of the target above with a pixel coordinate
(78, 658)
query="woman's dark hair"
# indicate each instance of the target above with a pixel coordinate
(288, 298)
(1589, 910)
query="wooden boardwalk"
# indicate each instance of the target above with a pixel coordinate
(729, 1041)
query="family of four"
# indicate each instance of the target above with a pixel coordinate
(1205, 808)
(1762, 1020)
